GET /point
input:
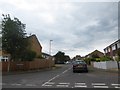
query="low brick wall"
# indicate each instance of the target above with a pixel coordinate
(26, 65)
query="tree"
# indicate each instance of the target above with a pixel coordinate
(28, 55)
(60, 57)
(13, 37)
(66, 58)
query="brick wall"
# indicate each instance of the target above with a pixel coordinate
(35, 45)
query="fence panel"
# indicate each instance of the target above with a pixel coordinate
(27, 65)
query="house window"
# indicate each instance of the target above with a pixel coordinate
(118, 45)
(109, 49)
(113, 47)
(105, 51)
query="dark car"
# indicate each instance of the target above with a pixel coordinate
(79, 65)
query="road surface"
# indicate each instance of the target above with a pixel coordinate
(62, 78)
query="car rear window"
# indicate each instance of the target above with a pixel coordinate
(79, 62)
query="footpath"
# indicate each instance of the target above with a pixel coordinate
(104, 70)
(31, 71)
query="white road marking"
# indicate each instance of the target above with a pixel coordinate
(47, 85)
(51, 83)
(62, 85)
(117, 87)
(16, 84)
(80, 86)
(55, 77)
(65, 71)
(100, 86)
(80, 83)
(50, 80)
(115, 84)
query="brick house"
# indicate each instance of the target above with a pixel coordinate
(112, 50)
(45, 55)
(35, 45)
(95, 53)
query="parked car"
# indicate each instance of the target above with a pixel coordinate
(67, 62)
(80, 65)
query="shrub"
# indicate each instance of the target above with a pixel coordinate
(29, 55)
(40, 56)
(105, 58)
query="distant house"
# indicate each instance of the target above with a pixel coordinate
(45, 55)
(35, 45)
(112, 50)
(4, 56)
(95, 53)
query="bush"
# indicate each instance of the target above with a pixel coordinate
(98, 60)
(29, 55)
(105, 58)
(40, 56)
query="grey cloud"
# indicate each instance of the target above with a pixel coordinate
(76, 29)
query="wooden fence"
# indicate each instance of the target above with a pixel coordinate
(26, 65)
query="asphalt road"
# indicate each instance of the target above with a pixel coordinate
(62, 78)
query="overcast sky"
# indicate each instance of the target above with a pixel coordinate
(76, 28)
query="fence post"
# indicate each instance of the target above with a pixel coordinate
(8, 69)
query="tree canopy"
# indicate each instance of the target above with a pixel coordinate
(13, 37)
(60, 57)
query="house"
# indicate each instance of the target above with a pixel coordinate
(112, 49)
(4, 56)
(35, 45)
(45, 55)
(95, 53)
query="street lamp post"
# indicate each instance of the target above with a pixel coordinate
(50, 47)
(50, 52)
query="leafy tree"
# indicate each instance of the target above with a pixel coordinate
(28, 55)
(66, 58)
(60, 57)
(13, 37)
(87, 60)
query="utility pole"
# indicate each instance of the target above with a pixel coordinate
(50, 47)
(50, 53)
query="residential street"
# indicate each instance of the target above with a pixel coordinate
(62, 78)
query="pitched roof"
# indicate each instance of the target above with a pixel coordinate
(94, 52)
(45, 54)
(34, 36)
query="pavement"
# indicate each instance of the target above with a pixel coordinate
(114, 70)
(31, 71)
